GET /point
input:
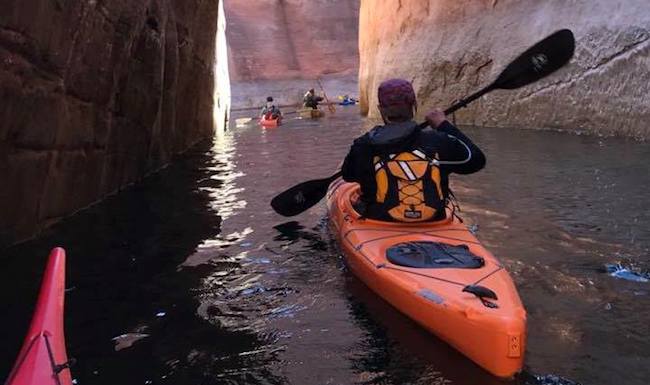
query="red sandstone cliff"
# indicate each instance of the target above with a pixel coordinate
(450, 48)
(280, 46)
(94, 95)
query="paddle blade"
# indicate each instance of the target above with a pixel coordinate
(302, 196)
(539, 61)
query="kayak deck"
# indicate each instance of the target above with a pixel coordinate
(489, 331)
(43, 359)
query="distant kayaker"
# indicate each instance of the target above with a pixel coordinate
(403, 170)
(270, 110)
(346, 99)
(310, 100)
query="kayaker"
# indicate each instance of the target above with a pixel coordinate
(270, 110)
(310, 100)
(346, 99)
(404, 171)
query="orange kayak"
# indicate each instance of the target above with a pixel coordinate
(43, 359)
(439, 275)
(270, 123)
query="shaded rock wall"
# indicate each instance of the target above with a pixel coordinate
(94, 95)
(450, 48)
(274, 41)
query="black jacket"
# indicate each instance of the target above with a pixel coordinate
(447, 140)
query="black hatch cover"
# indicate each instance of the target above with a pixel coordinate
(433, 255)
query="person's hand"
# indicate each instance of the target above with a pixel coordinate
(435, 118)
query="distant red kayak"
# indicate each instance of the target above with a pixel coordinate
(270, 123)
(43, 359)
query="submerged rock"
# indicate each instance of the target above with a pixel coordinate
(126, 340)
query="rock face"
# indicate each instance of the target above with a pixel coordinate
(279, 47)
(450, 48)
(94, 95)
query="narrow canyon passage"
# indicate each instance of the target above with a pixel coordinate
(215, 288)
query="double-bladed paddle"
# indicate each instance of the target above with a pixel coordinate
(537, 62)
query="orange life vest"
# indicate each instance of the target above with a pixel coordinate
(409, 187)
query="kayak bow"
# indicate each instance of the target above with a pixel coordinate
(270, 123)
(43, 359)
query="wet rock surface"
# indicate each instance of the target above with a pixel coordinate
(94, 95)
(450, 49)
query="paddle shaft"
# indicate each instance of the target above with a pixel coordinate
(329, 105)
(464, 102)
(539, 61)
(455, 107)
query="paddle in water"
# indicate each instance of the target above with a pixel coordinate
(537, 62)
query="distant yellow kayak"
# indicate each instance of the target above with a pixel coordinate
(310, 113)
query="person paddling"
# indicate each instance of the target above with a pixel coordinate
(372, 153)
(404, 170)
(270, 110)
(310, 100)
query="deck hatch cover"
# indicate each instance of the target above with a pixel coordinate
(433, 255)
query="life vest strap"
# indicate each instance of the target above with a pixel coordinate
(404, 185)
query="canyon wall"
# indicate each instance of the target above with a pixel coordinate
(93, 96)
(279, 48)
(450, 48)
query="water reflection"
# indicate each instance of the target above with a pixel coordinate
(251, 298)
(222, 189)
(129, 275)
(398, 351)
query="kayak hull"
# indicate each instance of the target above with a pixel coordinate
(494, 338)
(43, 358)
(270, 123)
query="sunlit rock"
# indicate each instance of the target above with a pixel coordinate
(450, 49)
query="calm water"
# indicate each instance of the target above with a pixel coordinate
(220, 290)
